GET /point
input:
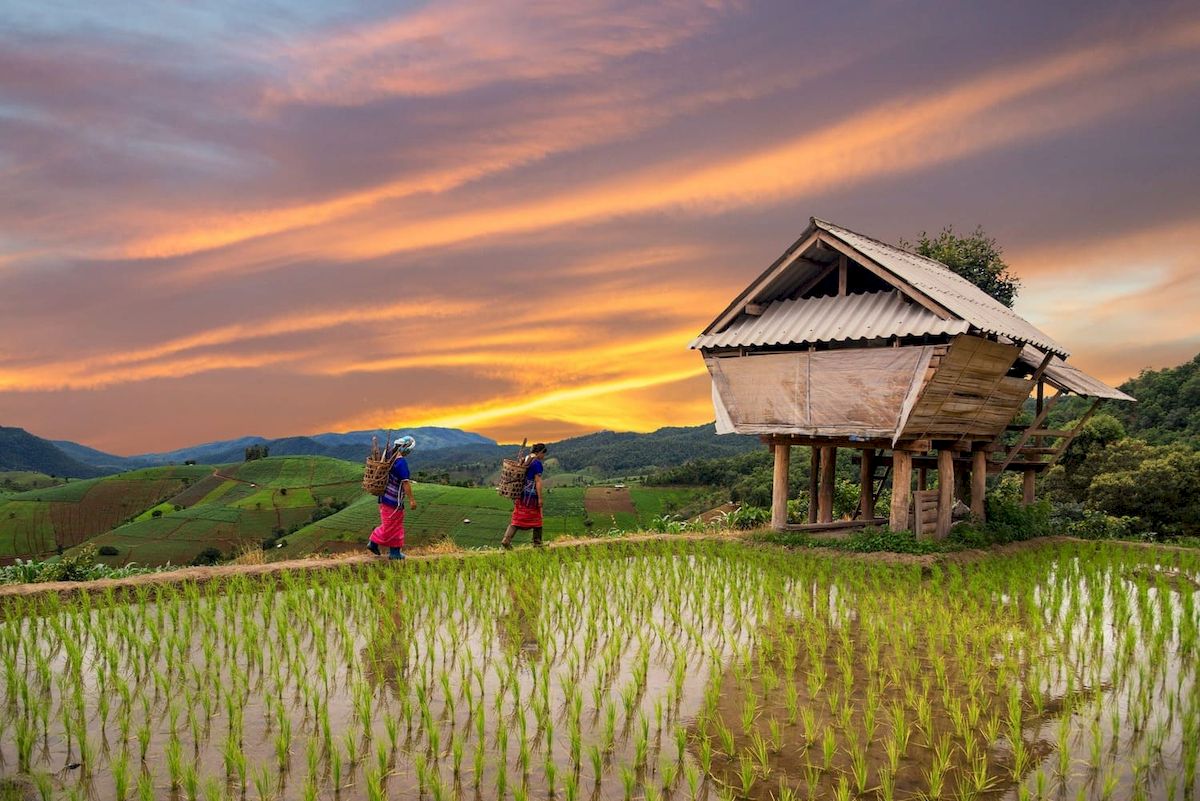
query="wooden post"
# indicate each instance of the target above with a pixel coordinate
(901, 490)
(1027, 486)
(979, 484)
(842, 269)
(945, 491)
(814, 473)
(922, 478)
(866, 481)
(828, 465)
(779, 489)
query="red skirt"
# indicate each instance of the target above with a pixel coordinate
(390, 532)
(526, 516)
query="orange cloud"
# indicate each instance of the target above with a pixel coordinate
(974, 116)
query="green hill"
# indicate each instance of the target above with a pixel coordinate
(477, 516)
(234, 506)
(20, 450)
(15, 481)
(43, 522)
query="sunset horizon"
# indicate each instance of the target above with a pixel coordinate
(512, 219)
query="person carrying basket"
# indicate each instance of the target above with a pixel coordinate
(527, 507)
(390, 532)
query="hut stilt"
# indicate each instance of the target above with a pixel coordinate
(825, 494)
(901, 490)
(979, 484)
(945, 491)
(779, 487)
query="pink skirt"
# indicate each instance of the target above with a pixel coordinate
(526, 516)
(390, 532)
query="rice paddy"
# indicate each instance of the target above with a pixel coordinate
(694, 669)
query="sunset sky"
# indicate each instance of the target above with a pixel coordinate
(221, 219)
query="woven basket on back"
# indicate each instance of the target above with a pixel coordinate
(379, 465)
(512, 475)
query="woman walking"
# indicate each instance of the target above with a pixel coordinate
(527, 508)
(390, 532)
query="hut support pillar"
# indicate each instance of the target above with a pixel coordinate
(1027, 486)
(828, 465)
(779, 488)
(979, 484)
(814, 472)
(945, 491)
(901, 490)
(922, 478)
(866, 481)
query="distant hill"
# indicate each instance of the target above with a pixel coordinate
(107, 462)
(1167, 409)
(606, 453)
(352, 446)
(20, 450)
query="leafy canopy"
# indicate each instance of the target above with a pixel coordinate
(976, 257)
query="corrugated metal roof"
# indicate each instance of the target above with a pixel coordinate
(832, 319)
(1072, 379)
(947, 288)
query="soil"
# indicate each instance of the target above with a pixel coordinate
(608, 500)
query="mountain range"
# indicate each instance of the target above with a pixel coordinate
(611, 453)
(20, 450)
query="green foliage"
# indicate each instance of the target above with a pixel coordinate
(209, 556)
(747, 517)
(976, 257)
(79, 566)
(1158, 484)
(869, 540)
(1168, 405)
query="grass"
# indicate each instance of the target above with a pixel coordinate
(667, 669)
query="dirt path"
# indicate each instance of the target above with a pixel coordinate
(312, 564)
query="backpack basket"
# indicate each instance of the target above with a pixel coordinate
(512, 475)
(378, 466)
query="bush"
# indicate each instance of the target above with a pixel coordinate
(156, 513)
(209, 556)
(868, 540)
(745, 517)
(108, 550)
(1097, 525)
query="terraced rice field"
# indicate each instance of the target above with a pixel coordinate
(38, 522)
(682, 670)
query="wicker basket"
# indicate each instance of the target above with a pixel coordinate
(378, 467)
(512, 475)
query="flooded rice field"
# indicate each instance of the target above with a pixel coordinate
(662, 670)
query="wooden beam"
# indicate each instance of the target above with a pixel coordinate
(866, 476)
(828, 468)
(813, 280)
(1036, 424)
(842, 270)
(979, 484)
(901, 490)
(1070, 435)
(887, 275)
(1028, 491)
(772, 273)
(755, 309)
(814, 475)
(779, 487)
(945, 492)
(922, 478)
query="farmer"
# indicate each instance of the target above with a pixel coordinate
(527, 508)
(390, 533)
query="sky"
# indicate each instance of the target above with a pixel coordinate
(222, 219)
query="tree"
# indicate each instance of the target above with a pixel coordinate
(976, 257)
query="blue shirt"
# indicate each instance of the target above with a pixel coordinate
(399, 473)
(529, 496)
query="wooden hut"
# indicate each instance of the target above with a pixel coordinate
(849, 342)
